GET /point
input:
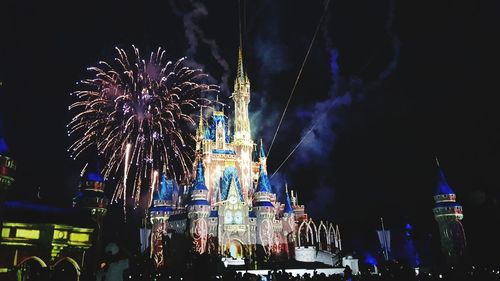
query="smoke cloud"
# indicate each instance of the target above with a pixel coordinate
(325, 115)
(396, 45)
(194, 34)
(319, 135)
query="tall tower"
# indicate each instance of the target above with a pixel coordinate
(198, 212)
(243, 144)
(448, 214)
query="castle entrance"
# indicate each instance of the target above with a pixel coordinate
(235, 249)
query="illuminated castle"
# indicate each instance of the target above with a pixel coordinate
(231, 209)
(448, 214)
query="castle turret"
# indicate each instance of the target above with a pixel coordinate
(199, 211)
(92, 198)
(91, 195)
(289, 225)
(264, 212)
(159, 213)
(448, 214)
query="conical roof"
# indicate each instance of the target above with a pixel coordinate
(165, 190)
(199, 183)
(443, 187)
(263, 184)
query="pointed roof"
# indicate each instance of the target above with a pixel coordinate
(165, 190)
(241, 76)
(262, 151)
(233, 190)
(229, 175)
(199, 191)
(95, 176)
(199, 183)
(263, 185)
(240, 72)
(443, 187)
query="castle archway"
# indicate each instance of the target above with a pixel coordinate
(66, 269)
(322, 237)
(306, 234)
(31, 269)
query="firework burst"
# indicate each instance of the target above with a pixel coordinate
(138, 114)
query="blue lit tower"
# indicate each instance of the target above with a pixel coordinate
(159, 213)
(448, 214)
(264, 212)
(198, 211)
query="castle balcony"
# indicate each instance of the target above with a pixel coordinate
(443, 198)
(235, 227)
(448, 212)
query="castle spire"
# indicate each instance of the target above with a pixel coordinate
(242, 138)
(262, 155)
(200, 178)
(200, 133)
(288, 204)
(240, 72)
(262, 151)
(200, 124)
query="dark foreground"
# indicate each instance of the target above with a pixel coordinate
(386, 274)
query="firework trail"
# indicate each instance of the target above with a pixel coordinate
(137, 113)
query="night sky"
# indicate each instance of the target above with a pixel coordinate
(393, 85)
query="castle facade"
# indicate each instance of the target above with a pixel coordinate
(231, 209)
